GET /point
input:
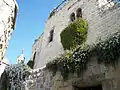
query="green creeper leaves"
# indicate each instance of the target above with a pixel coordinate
(75, 34)
(107, 52)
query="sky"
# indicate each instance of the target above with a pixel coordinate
(30, 23)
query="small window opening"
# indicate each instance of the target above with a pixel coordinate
(1, 46)
(32, 62)
(51, 36)
(72, 17)
(8, 31)
(79, 12)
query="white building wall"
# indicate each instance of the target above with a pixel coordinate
(8, 11)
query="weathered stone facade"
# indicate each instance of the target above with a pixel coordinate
(102, 18)
(96, 74)
(8, 11)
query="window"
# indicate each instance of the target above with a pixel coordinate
(51, 36)
(79, 12)
(9, 31)
(72, 17)
(32, 62)
(1, 46)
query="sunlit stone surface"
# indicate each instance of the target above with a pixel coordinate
(8, 12)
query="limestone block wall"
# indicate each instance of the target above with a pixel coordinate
(103, 19)
(96, 74)
(8, 11)
(36, 50)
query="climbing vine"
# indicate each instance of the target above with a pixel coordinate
(16, 75)
(75, 34)
(70, 62)
(75, 61)
(108, 51)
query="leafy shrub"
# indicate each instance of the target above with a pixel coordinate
(16, 75)
(107, 52)
(70, 62)
(75, 34)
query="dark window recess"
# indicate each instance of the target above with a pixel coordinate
(72, 17)
(79, 12)
(31, 62)
(99, 87)
(8, 31)
(51, 36)
(1, 46)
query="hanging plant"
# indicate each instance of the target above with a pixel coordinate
(70, 62)
(74, 34)
(107, 52)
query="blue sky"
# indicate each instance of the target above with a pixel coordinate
(30, 23)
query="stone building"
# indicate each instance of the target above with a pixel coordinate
(101, 15)
(103, 18)
(8, 12)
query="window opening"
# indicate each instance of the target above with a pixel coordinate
(72, 17)
(51, 36)
(79, 12)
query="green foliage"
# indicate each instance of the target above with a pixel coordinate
(16, 75)
(70, 62)
(107, 52)
(75, 34)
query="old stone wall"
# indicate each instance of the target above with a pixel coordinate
(102, 18)
(8, 11)
(36, 50)
(96, 74)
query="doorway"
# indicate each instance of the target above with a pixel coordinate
(98, 87)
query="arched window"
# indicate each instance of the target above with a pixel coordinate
(72, 17)
(79, 12)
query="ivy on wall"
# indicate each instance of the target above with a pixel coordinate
(108, 51)
(75, 34)
(70, 62)
(75, 61)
